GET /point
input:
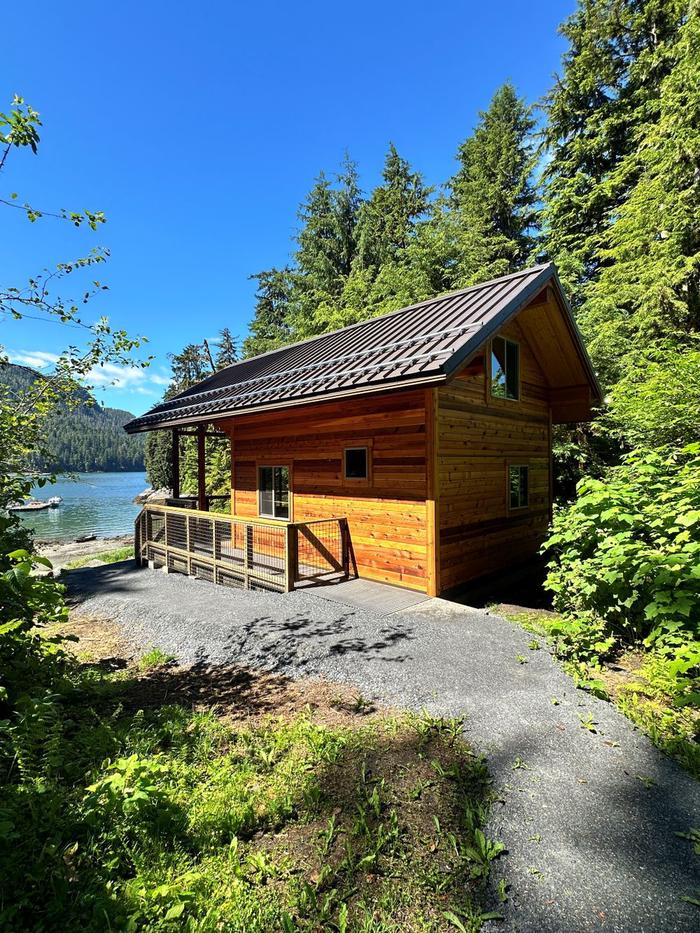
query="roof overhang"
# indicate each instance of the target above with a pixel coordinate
(399, 385)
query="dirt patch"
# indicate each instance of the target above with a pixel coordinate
(621, 672)
(98, 641)
(233, 692)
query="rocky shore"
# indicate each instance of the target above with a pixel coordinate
(61, 553)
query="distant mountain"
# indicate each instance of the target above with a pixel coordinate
(84, 439)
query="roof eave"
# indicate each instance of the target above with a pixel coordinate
(414, 382)
(548, 275)
(517, 303)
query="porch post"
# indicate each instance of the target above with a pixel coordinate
(176, 464)
(202, 503)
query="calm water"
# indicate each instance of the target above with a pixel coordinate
(93, 503)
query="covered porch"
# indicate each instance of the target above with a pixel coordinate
(184, 536)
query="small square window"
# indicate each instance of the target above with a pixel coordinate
(505, 368)
(518, 487)
(356, 463)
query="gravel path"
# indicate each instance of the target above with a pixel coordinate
(589, 818)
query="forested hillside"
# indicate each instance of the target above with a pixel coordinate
(85, 438)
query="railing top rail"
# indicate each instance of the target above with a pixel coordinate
(222, 516)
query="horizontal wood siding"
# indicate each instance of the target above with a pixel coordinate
(478, 437)
(387, 514)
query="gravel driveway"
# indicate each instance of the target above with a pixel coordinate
(589, 818)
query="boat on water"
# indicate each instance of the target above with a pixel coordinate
(35, 505)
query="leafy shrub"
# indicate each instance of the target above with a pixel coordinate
(626, 555)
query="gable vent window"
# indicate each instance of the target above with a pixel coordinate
(356, 463)
(505, 368)
(518, 486)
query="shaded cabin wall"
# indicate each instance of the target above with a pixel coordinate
(387, 514)
(478, 437)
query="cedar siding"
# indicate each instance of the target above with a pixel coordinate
(386, 514)
(478, 438)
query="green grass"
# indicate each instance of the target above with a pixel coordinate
(121, 813)
(107, 557)
(154, 658)
(642, 684)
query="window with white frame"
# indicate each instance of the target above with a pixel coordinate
(273, 491)
(505, 368)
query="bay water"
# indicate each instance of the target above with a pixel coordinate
(93, 503)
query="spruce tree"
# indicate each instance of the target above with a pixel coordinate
(619, 53)
(646, 295)
(227, 352)
(326, 250)
(492, 199)
(270, 328)
(387, 220)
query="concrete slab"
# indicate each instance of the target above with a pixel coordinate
(382, 598)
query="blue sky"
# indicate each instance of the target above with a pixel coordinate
(198, 129)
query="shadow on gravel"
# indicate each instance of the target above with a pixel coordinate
(99, 581)
(300, 640)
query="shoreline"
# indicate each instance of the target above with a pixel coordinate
(61, 553)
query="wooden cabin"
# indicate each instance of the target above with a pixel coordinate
(413, 448)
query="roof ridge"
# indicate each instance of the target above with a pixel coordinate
(436, 329)
(418, 304)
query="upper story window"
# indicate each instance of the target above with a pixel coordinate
(505, 368)
(356, 462)
(273, 491)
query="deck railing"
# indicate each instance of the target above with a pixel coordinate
(260, 554)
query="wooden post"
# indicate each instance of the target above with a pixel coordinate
(137, 541)
(176, 464)
(202, 503)
(290, 557)
(345, 546)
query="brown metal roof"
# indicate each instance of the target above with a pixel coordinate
(418, 345)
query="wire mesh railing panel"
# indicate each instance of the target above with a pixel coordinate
(239, 553)
(155, 526)
(265, 551)
(201, 535)
(225, 538)
(320, 549)
(176, 531)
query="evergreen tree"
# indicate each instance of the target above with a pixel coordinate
(387, 220)
(491, 208)
(189, 367)
(227, 352)
(347, 202)
(321, 254)
(270, 328)
(645, 302)
(619, 53)
(327, 247)
(159, 460)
